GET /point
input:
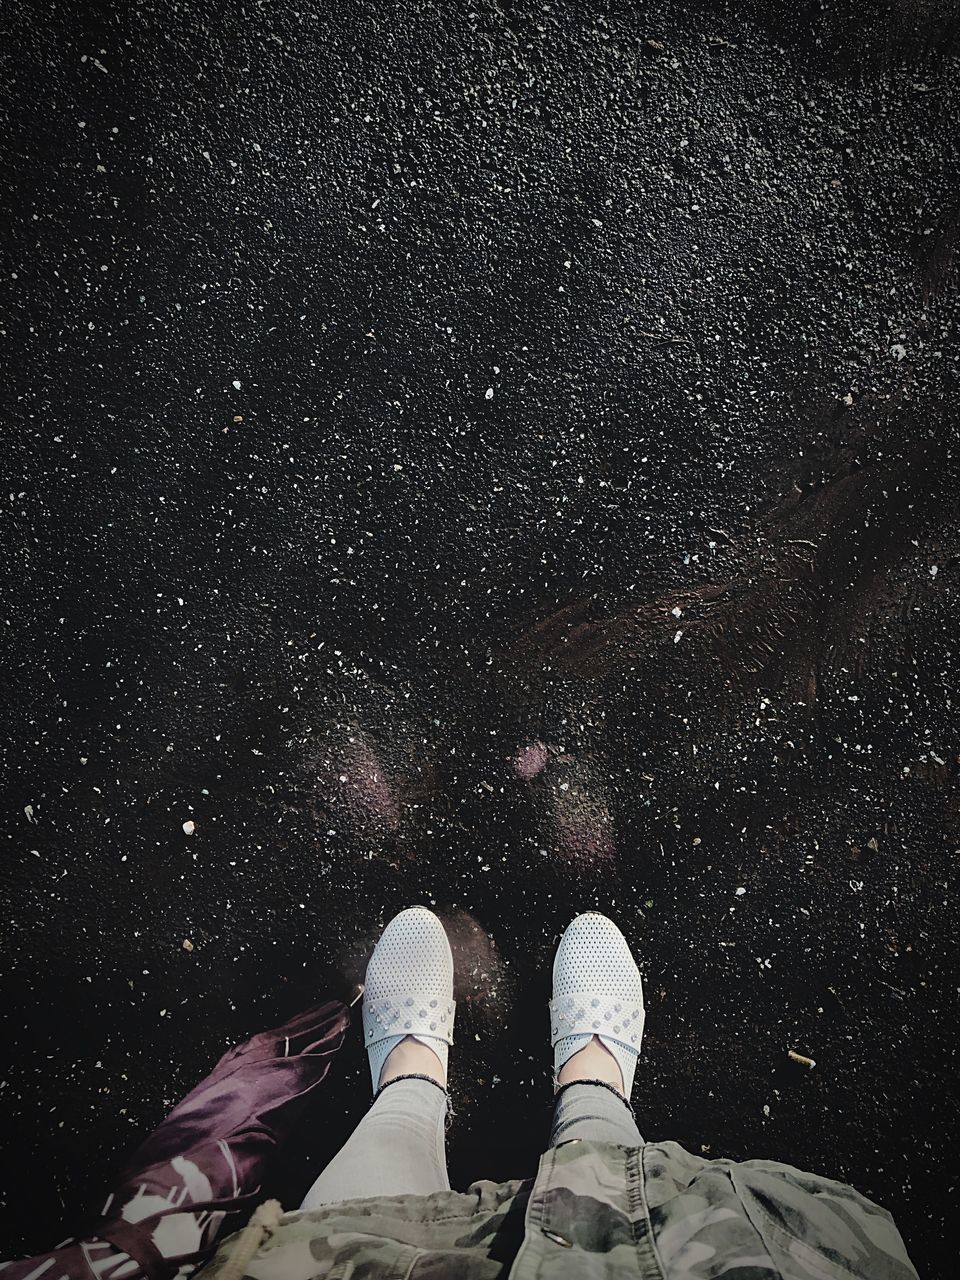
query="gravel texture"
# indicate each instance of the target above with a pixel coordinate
(499, 456)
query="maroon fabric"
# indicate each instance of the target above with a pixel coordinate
(198, 1175)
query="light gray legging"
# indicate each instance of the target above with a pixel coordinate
(398, 1148)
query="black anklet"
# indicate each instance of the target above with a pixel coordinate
(603, 1085)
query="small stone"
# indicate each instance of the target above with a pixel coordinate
(187, 944)
(189, 828)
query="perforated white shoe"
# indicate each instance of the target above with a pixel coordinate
(409, 989)
(597, 991)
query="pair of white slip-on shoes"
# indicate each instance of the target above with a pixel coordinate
(596, 992)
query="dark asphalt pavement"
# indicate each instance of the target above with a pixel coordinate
(500, 456)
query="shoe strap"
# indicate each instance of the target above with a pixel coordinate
(586, 1013)
(408, 1015)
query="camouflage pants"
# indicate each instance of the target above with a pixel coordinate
(596, 1211)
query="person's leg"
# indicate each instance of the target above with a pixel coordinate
(590, 1103)
(596, 1017)
(408, 1012)
(593, 1111)
(396, 1149)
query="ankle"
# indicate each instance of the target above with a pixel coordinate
(593, 1062)
(411, 1058)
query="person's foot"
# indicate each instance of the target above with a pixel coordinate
(596, 1014)
(593, 1062)
(408, 1006)
(411, 1058)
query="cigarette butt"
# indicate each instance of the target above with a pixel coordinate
(802, 1058)
(356, 994)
